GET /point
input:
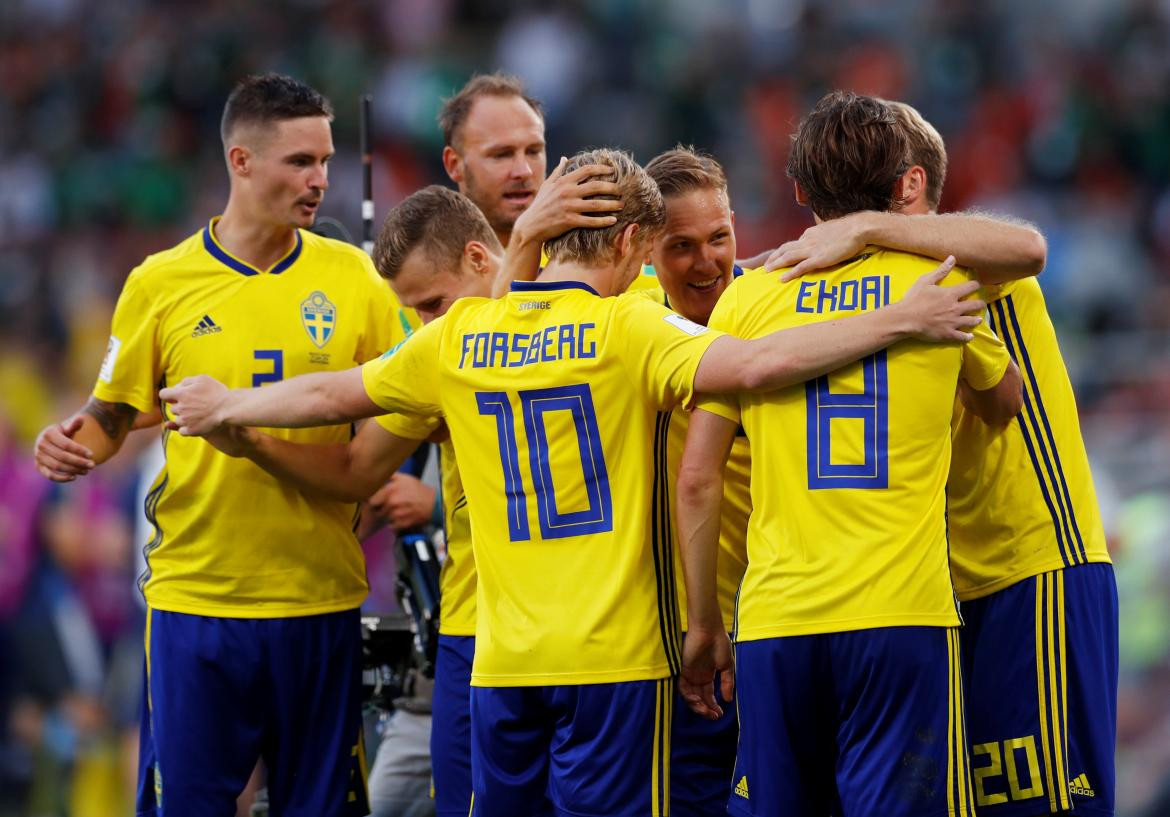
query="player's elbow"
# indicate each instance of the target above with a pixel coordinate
(765, 369)
(1035, 251)
(697, 483)
(1000, 404)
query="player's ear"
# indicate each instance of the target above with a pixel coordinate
(239, 160)
(476, 258)
(911, 187)
(801, 197)
(625, 240)
(453, 164)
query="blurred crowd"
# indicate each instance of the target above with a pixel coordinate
(1056, 111)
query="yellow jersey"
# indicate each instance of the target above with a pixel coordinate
(647, 280)
(457, 576)
(848, 526)
(669, 440)
(553, 392)
(230, 539)
(1020, 499)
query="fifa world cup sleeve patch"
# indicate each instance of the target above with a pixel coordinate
(679, 322)
(106, 375)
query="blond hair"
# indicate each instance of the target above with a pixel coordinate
(927, 149)
(683, 169)
(641, 205)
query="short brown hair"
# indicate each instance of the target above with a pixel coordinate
(641, 205)
(683, 169)
(455, 109)
(927, 149)
(439, 220)
(266, 98)
(848, 155)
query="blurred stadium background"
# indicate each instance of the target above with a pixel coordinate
(1057, 111)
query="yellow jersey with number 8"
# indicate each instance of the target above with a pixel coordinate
(848, 524)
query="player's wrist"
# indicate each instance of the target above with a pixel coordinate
(705, 623)
(872, 228)
(907, 321)
(523, 234)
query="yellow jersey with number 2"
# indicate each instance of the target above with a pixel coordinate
(229, 539)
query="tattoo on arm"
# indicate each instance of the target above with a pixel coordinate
(115, 419)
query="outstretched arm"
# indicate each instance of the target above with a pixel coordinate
(581, 198)
(201, 404)
(348, 472)
(700, 495)
(928, 312)
(71, 449)
(998, 248)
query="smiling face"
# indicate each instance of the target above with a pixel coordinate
(284, 168)
(498, 158)
(695, 253)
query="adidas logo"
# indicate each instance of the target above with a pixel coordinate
(206, 327)
(741, 787)
(1081, 786)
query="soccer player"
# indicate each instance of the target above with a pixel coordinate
(553, 392)
(1031, 567)
(693, 257)
(846, 647)
(434, 248)
(494, 150)
(1041, 714)
(252, 641)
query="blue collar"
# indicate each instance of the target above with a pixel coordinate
(551, 286)
(243, 267)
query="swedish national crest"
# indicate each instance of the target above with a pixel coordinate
(319, 316)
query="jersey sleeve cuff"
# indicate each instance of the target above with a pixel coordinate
(408, 426)
(143, 404)
(719, 405)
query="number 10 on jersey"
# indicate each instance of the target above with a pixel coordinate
(535, 405)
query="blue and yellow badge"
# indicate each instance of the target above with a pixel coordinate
(319, 316)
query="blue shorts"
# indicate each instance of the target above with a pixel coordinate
(451, 726)
(222, 693)
(864, 722)
(591, 750)
(1040, 669)
(702, 758)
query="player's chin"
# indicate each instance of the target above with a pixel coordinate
(305, 215)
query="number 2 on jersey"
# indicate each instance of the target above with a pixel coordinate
(276, 356)
(870, 407)
(535, 404)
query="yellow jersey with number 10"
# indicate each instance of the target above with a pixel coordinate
(848, 525)
(230, 539)
(1020, 499)
(552, 392)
